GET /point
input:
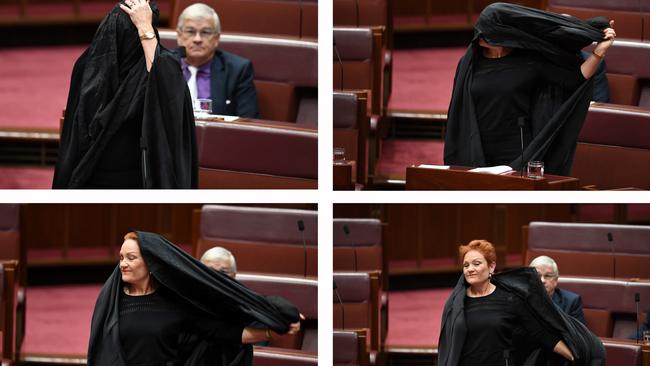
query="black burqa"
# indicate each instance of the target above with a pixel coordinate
(556, 115)
(112, 97)
(210, 292)
(586, 348)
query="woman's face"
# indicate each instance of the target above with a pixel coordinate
(132, 265)
(476, 268)
(483, 43)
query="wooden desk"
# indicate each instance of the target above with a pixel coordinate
(344, 176)
(460, 178)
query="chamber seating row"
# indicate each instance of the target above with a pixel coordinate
(585, 249)
(264, 240)
(350, 348)
(236, 155)
(359, 307)
(286, 74)
(609, 305)
(352, 132)
(287, 18)
(630, 15)
(301, 292)
(613, 149)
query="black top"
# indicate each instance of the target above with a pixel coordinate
(151, 327)
(502, 89)
(491, 322)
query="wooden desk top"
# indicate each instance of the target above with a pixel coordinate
(460, 178)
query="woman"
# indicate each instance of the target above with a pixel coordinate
(162, 307)
(128, 121)
(507, 319)
(523, 74)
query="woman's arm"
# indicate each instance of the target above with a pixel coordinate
(140, 13)
(590, 65)
(256, 335)
(564, 351)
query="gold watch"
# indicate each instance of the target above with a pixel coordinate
(148, 35)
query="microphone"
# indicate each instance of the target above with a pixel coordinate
(301, 228)
(637, 299)
(300, 22)
(346, 230)
(610, 239)
(521, 121)
(356, 4)
(336, 291)
(338, 56)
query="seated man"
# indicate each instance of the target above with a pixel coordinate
(569, 302)
(220, 259)
(211, 73)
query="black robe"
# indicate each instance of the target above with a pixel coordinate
(587, 349)
(209, 291)
(110, 89)
(556, 115)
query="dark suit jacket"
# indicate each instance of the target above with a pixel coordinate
(570, 303)
(238, 87)
(232, 89)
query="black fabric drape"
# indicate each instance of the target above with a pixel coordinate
(587, 349)
(556, 115)
(110, 86)
(209, 291)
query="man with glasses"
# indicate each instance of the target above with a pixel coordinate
(221, 260)
(211, 73)
(568, 301)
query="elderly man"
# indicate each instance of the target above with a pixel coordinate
(211, 73)
(568, 301)
(220, 259)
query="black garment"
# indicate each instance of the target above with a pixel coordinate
(211, 296)
(556, 114)
(150, 326)
(524, 284)
(122, 121)
(491, 321)
(502, 90)
(570, 303)
(601, 86)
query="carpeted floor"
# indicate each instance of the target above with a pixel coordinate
(58, 319)
(423, 78)
(34, 86)
(396, 155)
(414, 317)
(26, 177)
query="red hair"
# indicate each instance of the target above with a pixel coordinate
(132, 235)
(482, 246)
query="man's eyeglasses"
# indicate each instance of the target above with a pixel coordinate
(547, 276)
(191, 33)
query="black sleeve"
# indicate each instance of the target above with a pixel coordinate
(534, 328)
(218, 329)
(564, 77)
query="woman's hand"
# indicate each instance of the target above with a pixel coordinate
(564, 351)
(140, 13)
(295, 327)
(609, 34)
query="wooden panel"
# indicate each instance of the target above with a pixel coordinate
(420, 232)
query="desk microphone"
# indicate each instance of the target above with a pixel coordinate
(338, 56)
(356, 4)
(346, 230)
(610, 239)
(300, 22)
(637, 299)
(301, 228)
(521, 121)
(336, 291)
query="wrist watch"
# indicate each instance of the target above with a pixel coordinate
(148, 35)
